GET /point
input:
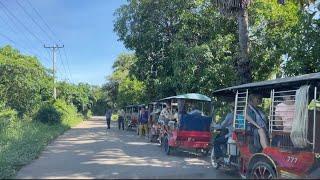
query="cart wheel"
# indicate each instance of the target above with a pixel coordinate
(262, 170)
(166, 146)
(214, 161)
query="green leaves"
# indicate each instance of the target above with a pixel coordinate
(23, 81)
(195, 49)
(304, 46)
(122, 87)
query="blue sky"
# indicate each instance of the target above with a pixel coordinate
(85, 27)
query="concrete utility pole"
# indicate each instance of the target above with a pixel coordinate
(54, 48)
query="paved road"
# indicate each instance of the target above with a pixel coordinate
(91, 151)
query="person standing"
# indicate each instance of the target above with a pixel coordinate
(121, 119)
(143, 121)
(108, 117)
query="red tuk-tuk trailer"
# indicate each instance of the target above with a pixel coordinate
(192, 130)
(154, 127)
(132, 114)
(293, 148)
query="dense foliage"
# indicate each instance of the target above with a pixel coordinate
(21, 140)
(189, 46)
(122, 88)
(29, 116)
(24, 82)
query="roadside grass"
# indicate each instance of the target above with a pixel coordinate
(22, 141)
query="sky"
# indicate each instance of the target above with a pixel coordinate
(84, 27)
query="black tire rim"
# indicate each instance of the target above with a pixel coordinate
(262, 172)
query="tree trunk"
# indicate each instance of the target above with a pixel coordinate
(244, 65)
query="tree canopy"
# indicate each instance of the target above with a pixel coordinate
(190, 46)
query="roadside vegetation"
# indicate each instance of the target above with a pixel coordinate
(29, 116)
(196, 46)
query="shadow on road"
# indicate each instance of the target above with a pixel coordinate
(92, 151)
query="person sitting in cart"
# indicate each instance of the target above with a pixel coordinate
(284, 114)
(257, 118)
(226, 127)
(195, 110)
(166, 114)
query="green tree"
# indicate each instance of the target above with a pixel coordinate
(24, 82)
(239, 9)
(304, 46)
(196, 48)
(122, 88)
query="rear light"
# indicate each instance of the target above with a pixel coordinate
(234, 136)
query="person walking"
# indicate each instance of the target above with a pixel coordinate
(121, 119)
(143, 121)
(108, 117)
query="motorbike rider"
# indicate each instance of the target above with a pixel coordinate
(226, 130)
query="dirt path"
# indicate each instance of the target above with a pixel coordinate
(91, 151)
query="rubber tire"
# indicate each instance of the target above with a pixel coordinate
(262, 164)
(166, 146)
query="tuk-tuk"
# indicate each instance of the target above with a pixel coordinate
(293, 134)
(154, 127)
(187, 130)
(132, 114)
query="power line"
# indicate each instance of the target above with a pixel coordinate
(13, 18)
(53, 33)
(65, 55)
(24, 26)
(63, 66)
(42, 19)
(23, 34)
(40, 27)
(33, 20)
(54, 48)
(9, 39)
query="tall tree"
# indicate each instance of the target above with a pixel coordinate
(304, 48)
(239, 8)
(196, 49)
(123, 88)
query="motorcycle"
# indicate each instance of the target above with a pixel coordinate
(230, 153)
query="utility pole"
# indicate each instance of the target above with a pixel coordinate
(54, 48)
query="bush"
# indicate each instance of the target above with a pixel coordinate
(58, 111)
(25, 83)
(6, 116)
(69, 115)
(48, 113)
(22, 140)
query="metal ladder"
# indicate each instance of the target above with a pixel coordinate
(240, 110)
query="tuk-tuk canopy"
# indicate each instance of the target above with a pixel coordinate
(191, 96)
(292, 82)
(136, 105)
